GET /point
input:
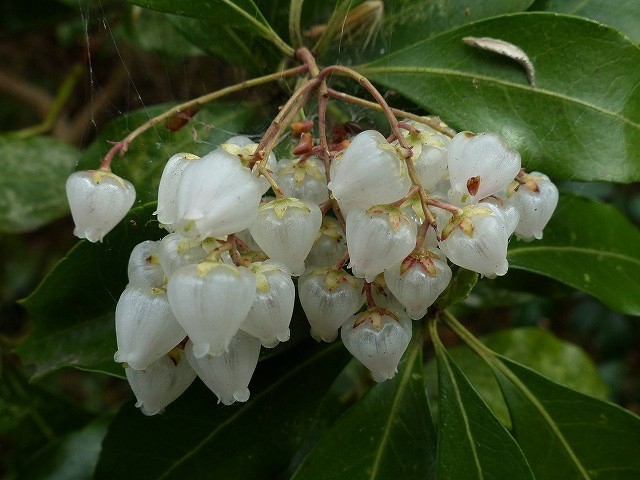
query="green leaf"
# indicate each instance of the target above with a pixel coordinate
(590, 246)
(74, 457)
(243, 14)
(72, 309)
(561, 361)
(33, 172)
(458, 289)
(195, 438)
(144, 161)
(472, 441)
(582, 122)
(406, 22)
(387, 434)
(623, 15)
(565, 434)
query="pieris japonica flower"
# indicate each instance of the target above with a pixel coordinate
(285, 229)
(418, 280)
(369, 172)
(535, 199)
(429, 154)
(160, 383)
(167, 210)
(176, 251)
(303, 178)
(382, 295)
(228, 374)
(144, 265)
(378, 239)
(328, 297)
(480, 165)
(211, 300)
(146, 328)
(378, 338)
(218, 195)
(99, 200)
(270, 314)
(329, 246)
(477, 239)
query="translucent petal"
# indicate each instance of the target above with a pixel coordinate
(535, 208)
(146, 328)
(211, 305)
(228, 374)
(167, 210)
(144, 265)
(176, 251)
(378, 347)
(98, 202)
(160, 383)
(303, 179)
(330, 245)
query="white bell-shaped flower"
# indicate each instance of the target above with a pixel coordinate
(383, 297)
(286, 229)
(176, 251)
(146, 328)
(270, 315)
(248, 240)
(378, 338)
(245, 148)
(328, 297)
(303, 178)
(218, 195)
(480, 165)
(228, 374)
(330, 245)
(369, 172)
(535, 199)
(99, 200)
(144, 265)
(429, 154)
(477, 239)
(160, 383)
(167, 210)
(418, 280)
(378, 239)
(211, 300)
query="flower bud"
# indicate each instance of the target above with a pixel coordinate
(270, 315)
(328, 297)
(480, 165)
(160, 383)
(211, 300)
(303, 178)
(146, 328)
(378, 239)
(369, 172)
(286, 229)
(418, 280)
(535, 201)
(99, 200)
(378, 339)
(228, 374)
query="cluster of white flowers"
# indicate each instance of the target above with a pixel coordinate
(204, 299)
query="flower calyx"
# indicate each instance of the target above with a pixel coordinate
(300, 169)
(100, 174)
(463, 220)
(395, 214)
(259, 269)
(280, 206)
(424, 259)
(374, 316)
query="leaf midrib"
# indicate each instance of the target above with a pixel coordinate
(497, 81)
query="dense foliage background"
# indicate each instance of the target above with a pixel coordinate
(77, 74)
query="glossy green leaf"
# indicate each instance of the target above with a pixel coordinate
(74, 457)
(582, 122)
(561, 361)
(195, 438)
(72, 309)
(387, 434)
(33, 172)
(623, 14)
(565, 434)
(144, 161)
(472, 443)
(458, 289)
(591, 246)
(402, 23)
